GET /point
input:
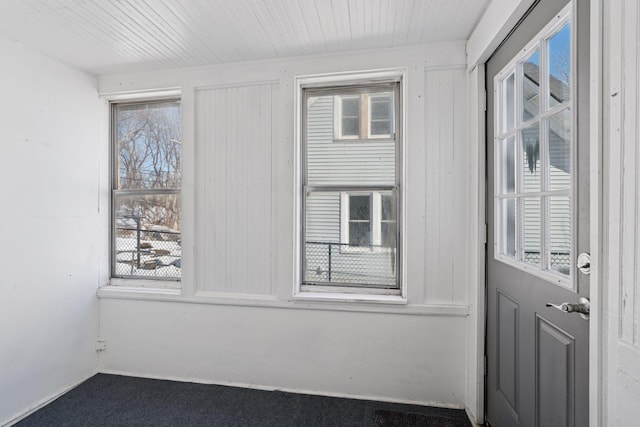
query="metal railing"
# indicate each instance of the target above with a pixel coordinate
(147, 253)
(330, 263)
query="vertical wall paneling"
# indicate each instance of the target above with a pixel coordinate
(621, 258)
(234, 139)
(243, 123)
(446, 177)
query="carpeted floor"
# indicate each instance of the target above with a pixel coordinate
(113, 400)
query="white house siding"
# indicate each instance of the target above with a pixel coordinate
(235, 320)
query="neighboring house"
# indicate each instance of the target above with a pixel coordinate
(351, 235)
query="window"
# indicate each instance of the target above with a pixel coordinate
(351, 191)
(146, 182)
(364, 116)
(368, 220)
(534, 155)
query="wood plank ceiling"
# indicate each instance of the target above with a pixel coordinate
(109, 36)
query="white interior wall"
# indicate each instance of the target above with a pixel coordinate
(52, 228)
(243, 327)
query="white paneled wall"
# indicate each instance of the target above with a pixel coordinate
(235, 320)
(234, 135)
(446, 175)
(622, 214)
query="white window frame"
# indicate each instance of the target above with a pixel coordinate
(135, 281)
(539, 42)
(375, 218)
(370, 117)
(346, 294)
(365, 118)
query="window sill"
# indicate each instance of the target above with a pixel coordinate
(349, 297)
(384, 305)
(145, 285)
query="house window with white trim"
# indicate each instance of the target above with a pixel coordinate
(351, 188)
(364, 116)
(368, 220)
(146, 187)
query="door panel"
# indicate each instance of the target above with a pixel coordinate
(537, 356)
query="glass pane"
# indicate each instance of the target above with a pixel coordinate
(560, 150)
(381, 107)
(322, 212)
(388, 234)
(381, 114)
(148, 145)
(531, 231)
(388, 207)
(350, 126)
(509, 113)
(380, 127)
(531, 86)
(508, 172)
(509, 227)
(531, 158)
(560, 66)
(351, 107)
(147, 235)
(360, 207)
(560, 234)
(331, 161)
(359, 233)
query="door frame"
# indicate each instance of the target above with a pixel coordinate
(495, 25)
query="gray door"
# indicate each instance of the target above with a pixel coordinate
(537, 213)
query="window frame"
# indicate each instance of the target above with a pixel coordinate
(375, 221)
(542, 119)
(115, 192)
(364, 133)
(349, 83)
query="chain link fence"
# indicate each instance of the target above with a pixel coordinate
(329, 263)
(148, 253)
(560, 261)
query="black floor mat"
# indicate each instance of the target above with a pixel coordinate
(386, 418)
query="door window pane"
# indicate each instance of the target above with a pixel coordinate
(531, 86)
(508, 165)
(509, 99)
(531, 230)
(560, 234)
(559, 137)
(531, 158)
(509, 224)
(560, 66)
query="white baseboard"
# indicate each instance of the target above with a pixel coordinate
(42, 403)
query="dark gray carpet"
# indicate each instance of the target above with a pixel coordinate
(113, 400)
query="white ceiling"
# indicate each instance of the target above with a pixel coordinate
(109, 36)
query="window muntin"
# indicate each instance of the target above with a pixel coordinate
(350, 236)
(534, 151)
(146, 187)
